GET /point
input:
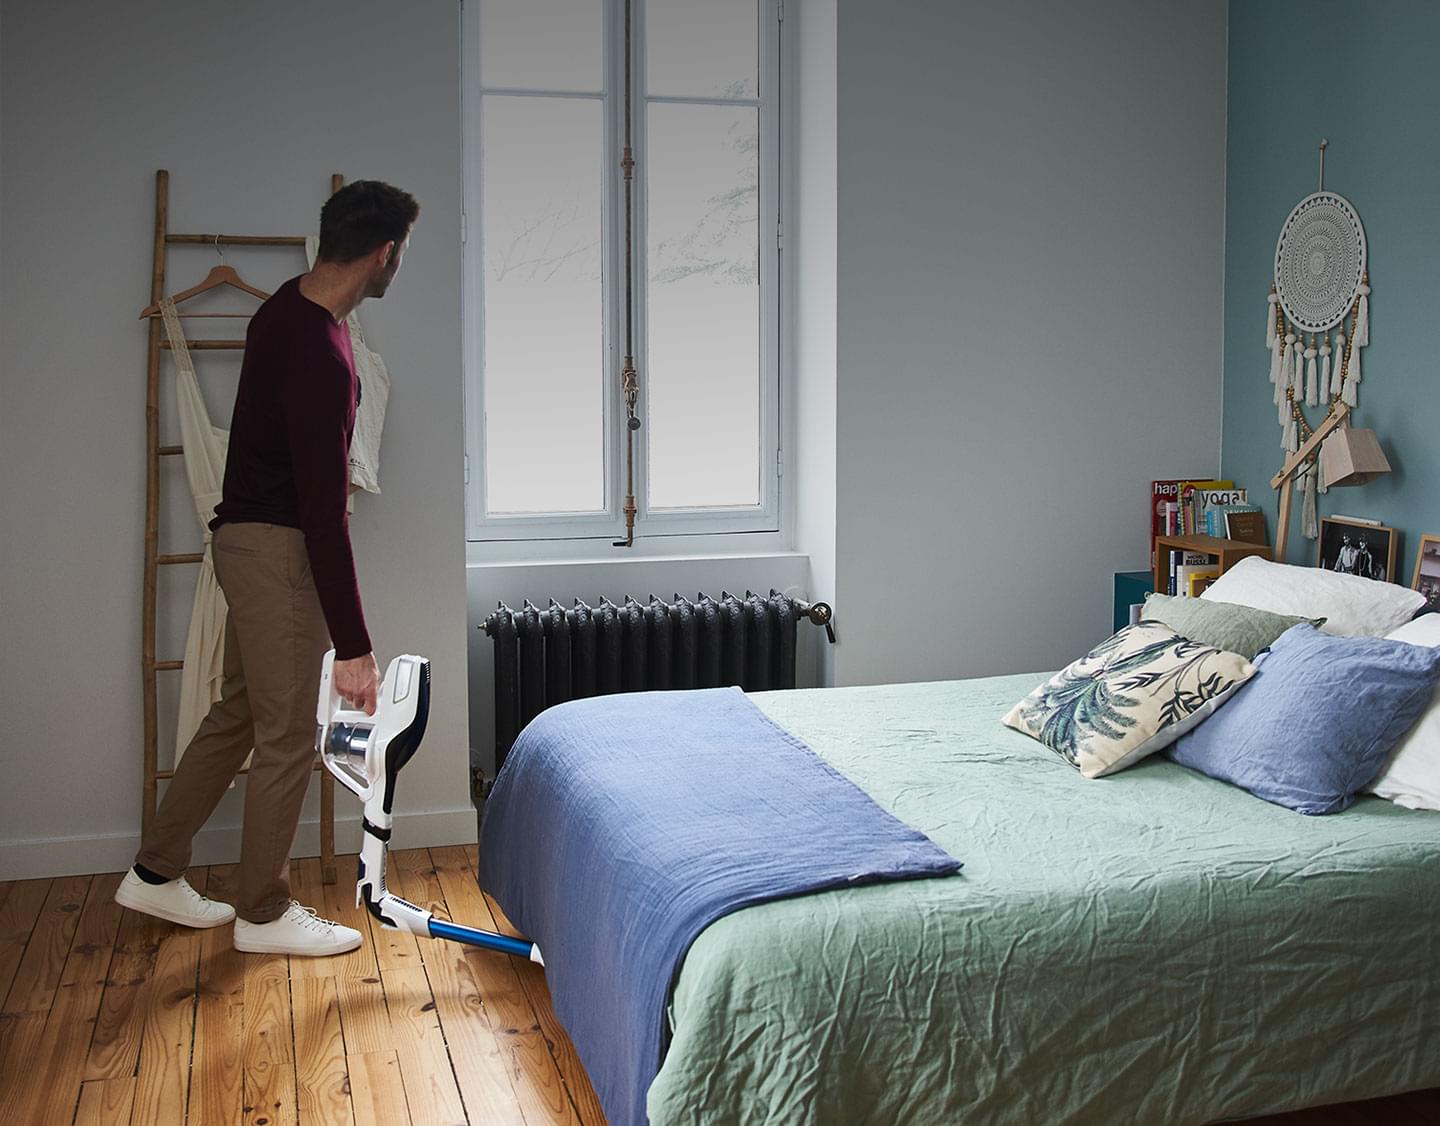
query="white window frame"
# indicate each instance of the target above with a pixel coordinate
(609, 525)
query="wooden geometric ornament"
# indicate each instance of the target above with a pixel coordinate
(1351, 456)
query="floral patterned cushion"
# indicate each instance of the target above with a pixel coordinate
(1130, 696)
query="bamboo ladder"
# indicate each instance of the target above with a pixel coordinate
(164, 239)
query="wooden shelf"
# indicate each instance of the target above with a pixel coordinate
(1228, 552)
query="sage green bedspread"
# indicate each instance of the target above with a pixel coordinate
(1154, 947)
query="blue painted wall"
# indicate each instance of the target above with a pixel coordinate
(1365, 75)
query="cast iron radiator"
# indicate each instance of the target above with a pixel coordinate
(547, 656)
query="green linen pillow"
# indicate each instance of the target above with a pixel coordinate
(1225, 625)
(1132, 695)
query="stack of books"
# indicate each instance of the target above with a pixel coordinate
(1244, 522)
(1191, 572)
(1203, 507)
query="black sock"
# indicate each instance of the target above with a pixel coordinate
(148, 876)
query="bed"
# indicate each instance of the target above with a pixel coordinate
(1155, 946)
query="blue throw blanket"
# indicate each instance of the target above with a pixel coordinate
(623, 825)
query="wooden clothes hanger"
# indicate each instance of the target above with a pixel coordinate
(218, 276)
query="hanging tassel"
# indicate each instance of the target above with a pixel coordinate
(1271, 302)
(1284, 414)
(1339, 373)
(1309, 527)
(1325, 365)
(1276, 345)
(1350, 391)
(1280, 364)
(1291, 442)
(1312, 393)
(1297, 371)
(1362, 317)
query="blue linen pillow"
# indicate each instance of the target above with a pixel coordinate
(1314, 725)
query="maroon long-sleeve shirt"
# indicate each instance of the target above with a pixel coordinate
(289, 456)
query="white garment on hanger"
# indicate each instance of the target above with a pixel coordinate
(204, 446)
(374, 380)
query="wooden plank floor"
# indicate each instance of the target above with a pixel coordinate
(110, 1017)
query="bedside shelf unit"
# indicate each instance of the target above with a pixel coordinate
(1229, 552)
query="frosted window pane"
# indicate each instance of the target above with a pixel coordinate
(542, 44)
(703, 383)
(544, 325)
(702, 48)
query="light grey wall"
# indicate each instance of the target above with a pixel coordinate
(251, 107)
(1030, 217)
(1006, 253)
(809, 264)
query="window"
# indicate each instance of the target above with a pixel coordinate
(545, 296)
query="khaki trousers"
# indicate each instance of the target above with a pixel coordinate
(275, 639)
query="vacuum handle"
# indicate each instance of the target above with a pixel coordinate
(329, 701)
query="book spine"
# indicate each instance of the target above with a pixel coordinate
(1160, 492)
(1208, 500)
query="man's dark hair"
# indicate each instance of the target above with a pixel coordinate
(361, 216)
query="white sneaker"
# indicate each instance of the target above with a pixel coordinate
(298, 931)
(175, 901)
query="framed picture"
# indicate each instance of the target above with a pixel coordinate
(1427, 571)
(1357, 548)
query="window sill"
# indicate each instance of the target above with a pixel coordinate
(654, 549)
(564, 578)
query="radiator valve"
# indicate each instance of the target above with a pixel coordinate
(821, 614)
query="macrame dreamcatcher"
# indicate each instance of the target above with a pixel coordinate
(1320, 284)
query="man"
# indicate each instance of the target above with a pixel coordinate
(282, 555)
(1346, 560)
(1364, 561)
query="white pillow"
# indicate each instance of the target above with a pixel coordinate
(1411, 776)
(1350, 605)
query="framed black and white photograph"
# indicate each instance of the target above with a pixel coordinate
(1427, 571)
(1355, 547)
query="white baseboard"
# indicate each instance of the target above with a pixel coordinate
(75, 856)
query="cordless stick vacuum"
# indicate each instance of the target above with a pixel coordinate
(366, 753)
